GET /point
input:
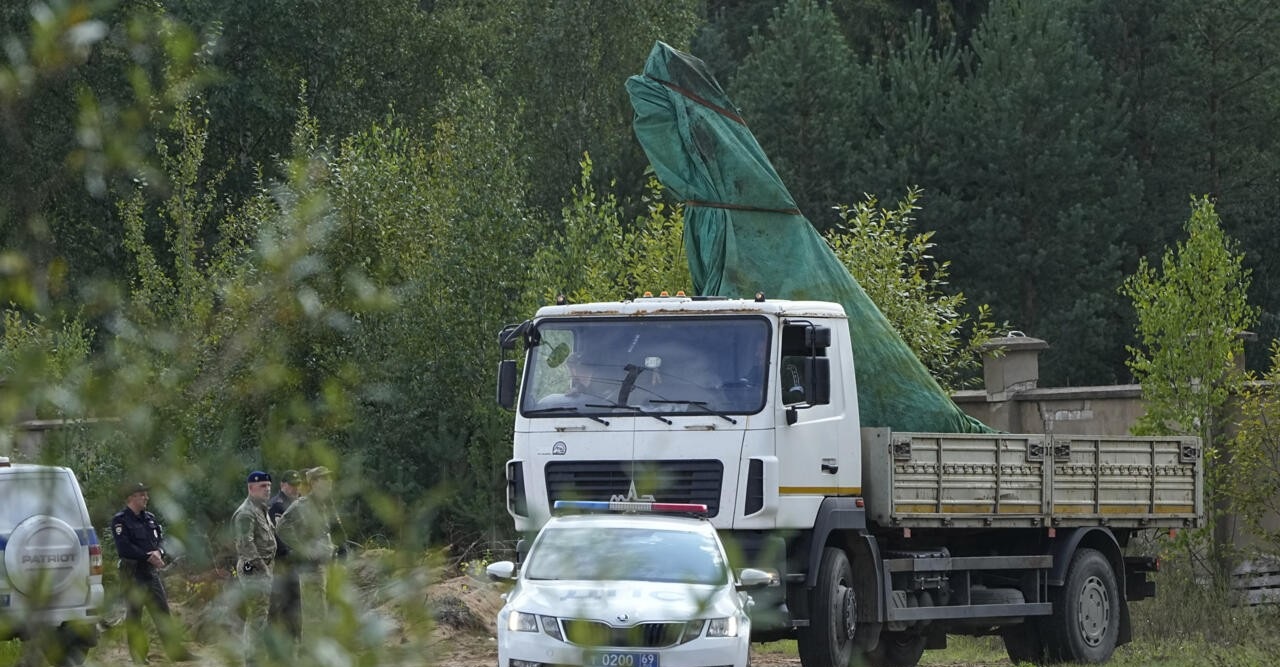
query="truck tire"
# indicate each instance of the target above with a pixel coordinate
(897, 649)
(1086, 611)
(833, 607)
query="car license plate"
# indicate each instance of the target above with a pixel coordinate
(621, 659)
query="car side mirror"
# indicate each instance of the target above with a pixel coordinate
(503, 569)
(749, 578)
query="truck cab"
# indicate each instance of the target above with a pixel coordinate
(677, 399)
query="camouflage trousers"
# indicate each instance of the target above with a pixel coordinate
(313, 586)
(255, 602)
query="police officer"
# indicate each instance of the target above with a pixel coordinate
(286, 599)
(139, 541)
(255, 535)
(305, 528)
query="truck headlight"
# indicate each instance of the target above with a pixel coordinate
(723, 627)
(518, 622)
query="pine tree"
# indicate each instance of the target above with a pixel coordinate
(1035, 189)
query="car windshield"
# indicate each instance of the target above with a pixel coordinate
(593, 553)
(695, 365)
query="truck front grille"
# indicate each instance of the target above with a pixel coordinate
(678, 481)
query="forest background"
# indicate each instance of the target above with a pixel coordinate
(284, 233)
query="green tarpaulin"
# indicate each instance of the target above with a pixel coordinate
(744, 234)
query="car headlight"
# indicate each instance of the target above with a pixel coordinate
(692, 630)
(519, 622)
(723, 627)
(551, 626)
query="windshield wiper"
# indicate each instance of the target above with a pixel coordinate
(635, 409)
(568, 409)
(700, 404)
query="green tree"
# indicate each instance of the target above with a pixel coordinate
(1202, 81)
(82, 86)
(351, 72)
(441, 224)
(568, 70)
(798, 88)
(898, 272)
(908, 119)
(1191, 311)
(1255, 456)
(593, 255)
(1034, 187)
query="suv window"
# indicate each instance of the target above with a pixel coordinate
(25, 495)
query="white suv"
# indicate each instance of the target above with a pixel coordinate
(626, 590)
(50, 564)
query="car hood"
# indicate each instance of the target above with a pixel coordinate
(624, 602)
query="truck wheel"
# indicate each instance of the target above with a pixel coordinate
(1086, 611)
(897, 649)
(828, 640)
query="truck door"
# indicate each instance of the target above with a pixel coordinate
(811, 404)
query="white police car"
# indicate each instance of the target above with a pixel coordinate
(639, 589)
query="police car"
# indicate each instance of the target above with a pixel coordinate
(626, 584)
(50, 563)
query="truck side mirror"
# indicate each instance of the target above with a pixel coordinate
(507, 383)
(819, 376)
(817, 337)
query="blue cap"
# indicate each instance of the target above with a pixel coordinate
(259, 476)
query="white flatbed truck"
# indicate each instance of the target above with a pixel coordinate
(883, 542)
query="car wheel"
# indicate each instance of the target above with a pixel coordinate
(828, 639)
(1086, 611)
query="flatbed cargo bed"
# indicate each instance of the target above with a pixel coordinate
(1019, 480)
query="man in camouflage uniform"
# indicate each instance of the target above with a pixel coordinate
(255, 550)
(305, 528)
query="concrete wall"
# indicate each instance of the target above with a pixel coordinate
(1108, 410)
(1011, 398)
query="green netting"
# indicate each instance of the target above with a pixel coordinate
(743, 233)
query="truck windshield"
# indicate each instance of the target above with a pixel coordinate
(658, 365)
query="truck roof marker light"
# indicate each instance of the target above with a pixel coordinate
(664, 293)
(561, 300)
(632, 506)
(759, 297)
(647, 294)
(680, 292)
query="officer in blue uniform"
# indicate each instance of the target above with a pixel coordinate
(139, 541)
